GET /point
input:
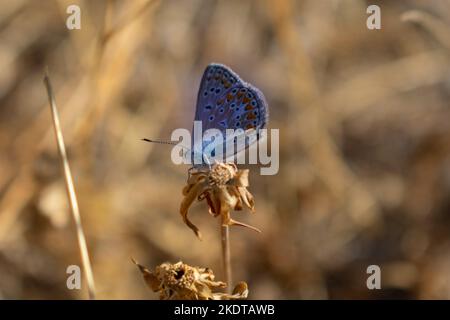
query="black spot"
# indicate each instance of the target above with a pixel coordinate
(232, 105)
(249, 95)
(255, 112)
(223, 123)
(217, 90)
(179, 274)
(213, 153)
(208, 107)
(237, 109)
(205, 93)
(253, 103)
(212, 89)
(238, 124)
(221, 110)
(211, 118)
(234, 91)
(254, 122)
(238, 117)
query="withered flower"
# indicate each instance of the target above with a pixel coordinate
(180, 281)
(224, 187)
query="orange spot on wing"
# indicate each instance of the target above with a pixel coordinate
(230, 97)
(246, 100)
(248, 107)
(249, 126)
(251, 116)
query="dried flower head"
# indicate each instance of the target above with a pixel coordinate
(180, 281)
(224, 187)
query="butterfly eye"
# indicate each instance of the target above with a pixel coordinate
(211, 118)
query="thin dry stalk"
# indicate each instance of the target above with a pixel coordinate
(226, 255)
(71, 191)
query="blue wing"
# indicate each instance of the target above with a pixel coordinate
(224, 101)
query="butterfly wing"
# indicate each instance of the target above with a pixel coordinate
(226, 102)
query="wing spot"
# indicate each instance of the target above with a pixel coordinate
(251, 116)
(211, 118)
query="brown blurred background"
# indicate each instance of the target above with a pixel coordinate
(364, 124)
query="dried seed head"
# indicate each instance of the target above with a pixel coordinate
(221, 174)
(225, 189)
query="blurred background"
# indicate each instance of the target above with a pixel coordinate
(364, 121)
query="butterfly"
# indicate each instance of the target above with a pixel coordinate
(225, 101)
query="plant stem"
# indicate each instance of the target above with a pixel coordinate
(226, 257)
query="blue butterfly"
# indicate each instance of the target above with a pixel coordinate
(225, 101)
